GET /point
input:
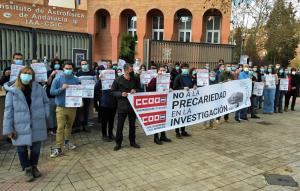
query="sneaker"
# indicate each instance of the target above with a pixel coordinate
(35, 172)
(56, 153)
(51, 132)
(28, 174)
(70, 146)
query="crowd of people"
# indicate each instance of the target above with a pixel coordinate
(32, 108)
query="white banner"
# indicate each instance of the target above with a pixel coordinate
(159, 112)
(107, 79)
(15, 70)
(40, 72)
(74, 96)
(202, 77)
(284, 84)
(163, 82)
(270, 81)
(258, 88)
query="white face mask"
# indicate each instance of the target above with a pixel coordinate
(293, 72)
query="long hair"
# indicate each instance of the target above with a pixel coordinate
(19, 83)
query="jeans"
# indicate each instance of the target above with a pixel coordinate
(34, 154)
(241, 114)
(52, 107)
(269, 97)
(279, 100)
(120, 126)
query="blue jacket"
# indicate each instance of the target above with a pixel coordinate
(57, 91)
(243, 75)
(29, 124)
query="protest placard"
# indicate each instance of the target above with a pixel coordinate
(15, 70)
(258, 88)
(40, 72)
(88, 88)
(74, 96)
(270, 81)
(146, 76)
(107, 79)
(202, 77)
(284, 84)
(163, 82)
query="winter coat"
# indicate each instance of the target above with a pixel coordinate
(30, 125)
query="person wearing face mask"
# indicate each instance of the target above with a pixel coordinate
(220, 69)
(212, 80)
(26, 117)
(18, 60)
(152, 88)
(55, 69)
(65, 116)
(121, 87)
(294, 82)
(183, 81)
(279, 93)
(235, 71)
(242, 113)
(193, 74)
(254, 78)
(5, 76)
(106, 104)
(259, 99)
(82, 114)
(176, 71)
(226, 76)
(269, 90)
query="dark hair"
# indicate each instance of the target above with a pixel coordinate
(85, 61)
(17, 54)
(221, 60)
(68, 63)
(177, 64)
(53, 63)
(127, 65)
(185, 65)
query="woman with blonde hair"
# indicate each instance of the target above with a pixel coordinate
(25, 115)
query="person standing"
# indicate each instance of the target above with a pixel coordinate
(269, 90)
(26, 117)
(82, 114)
(65, 116)
(294, 83)
(183, 81)
(121, 87)
(280, 94)
(152, 88)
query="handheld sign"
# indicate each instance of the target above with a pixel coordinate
(202, 77)
(74, 96)
(15, 70)
(40, 71)
(107, 79)
(163, 82)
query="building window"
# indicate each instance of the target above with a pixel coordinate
(158, 28)
(131, 27)
(103, 21)
(185, 29)
(213, 25)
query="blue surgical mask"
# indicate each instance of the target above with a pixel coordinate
(56, 66)
(250, 72)
(18, 62)
(119, 73)
(68, 72)
(270, 70)
(221, 69)
(228, 69)
(114, 67)
(85, 67)
(212, 78)
(286, 71)
(185, 71)
(26, 78)
(177, 67)
(280, 71)
(233, 68)
(254, 69)
(262, 70)
(194, 72)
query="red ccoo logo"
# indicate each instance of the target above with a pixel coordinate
(150, 101)
(153, 118)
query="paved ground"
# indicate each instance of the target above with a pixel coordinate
(234, 157)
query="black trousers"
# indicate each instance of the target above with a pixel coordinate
(182, 130)
(252, 107)
(108, 117)
(82, 114)
(120, 126)
(162, 135)
(288, 96)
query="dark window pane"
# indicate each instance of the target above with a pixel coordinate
(181, 37)
(155, 22)
(209, 37)
(209, 23)
(161, 23)
(217, 23)
(161, 36)
(189, 23)
(216, 37)
(155, 36)
(187, 37)
(103, 21)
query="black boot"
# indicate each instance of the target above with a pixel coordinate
(28, 174)
(156, 139)
(164, 138)
(35, 172)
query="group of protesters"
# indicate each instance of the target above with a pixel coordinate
(32, 108)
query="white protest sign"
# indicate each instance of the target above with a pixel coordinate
(88, 87)
(258, 88)
(270, 81)
(15, 70)
(284, 84)
(74, 96)
(159, 111)
(40, 72)
(202, 77)
(146, 76)
(107, 79)
(163, 82)
(121, 63)
(102, 63)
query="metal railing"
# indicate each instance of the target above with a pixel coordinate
(195, 54)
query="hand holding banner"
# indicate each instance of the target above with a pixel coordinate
(258, 88)
(107, 79)
(40, 72)
(284, 84)
(74, 96)
(163, 82)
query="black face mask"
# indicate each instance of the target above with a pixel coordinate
(131, 74)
